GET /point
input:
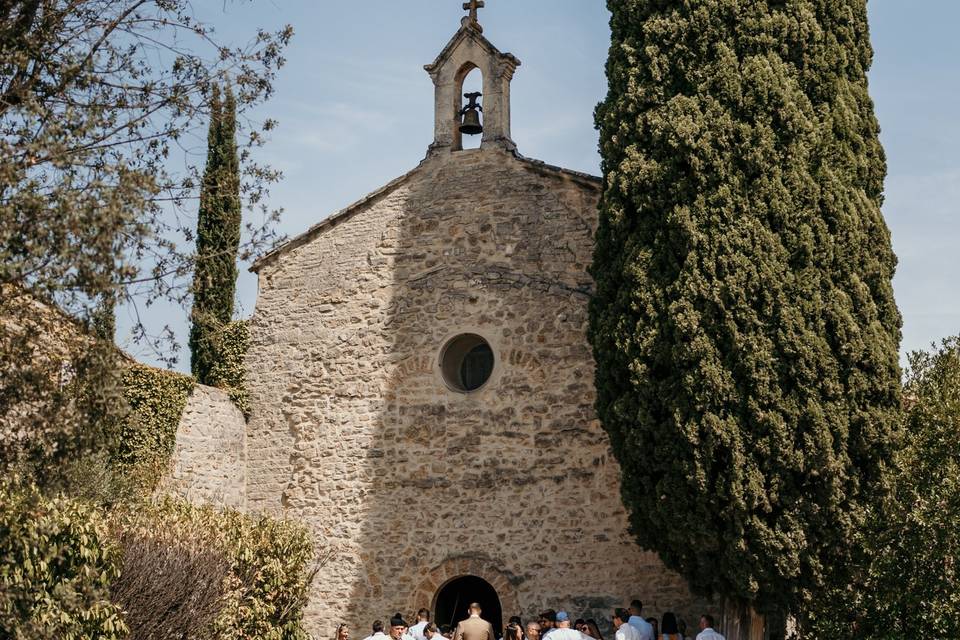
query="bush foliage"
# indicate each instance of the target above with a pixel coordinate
(174, 574)
(154, 571)
(909, 578)
(223, 574)
(56, 564)
(272, 568)
(744, 325)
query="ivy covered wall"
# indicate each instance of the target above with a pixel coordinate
(156, 399)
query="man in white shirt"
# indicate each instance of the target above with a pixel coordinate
(378, 633)
(625, 630)
(706, 629)
(423, 619)
(563, 630)
(637, 622)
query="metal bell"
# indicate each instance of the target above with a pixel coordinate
(470, 123)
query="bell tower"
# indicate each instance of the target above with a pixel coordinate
(466, 51)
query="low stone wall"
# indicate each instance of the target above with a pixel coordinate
(210, 456)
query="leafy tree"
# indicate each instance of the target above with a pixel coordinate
(96, 97)
(218, 238)
(908, 582)
(744, 325)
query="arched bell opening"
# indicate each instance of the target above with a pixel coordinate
(452, 599)
(469, 80)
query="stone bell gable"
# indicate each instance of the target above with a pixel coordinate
(422, 388)
(466, 51)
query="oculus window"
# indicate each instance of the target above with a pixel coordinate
(467, 362)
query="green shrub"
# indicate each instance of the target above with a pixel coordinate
(272, 573)
(227, 370)
(268, 564)
(174, 573)
(908, 581)
(56, 564)
(147, 437)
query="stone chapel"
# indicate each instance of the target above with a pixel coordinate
(422, 386)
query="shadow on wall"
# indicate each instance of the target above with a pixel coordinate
(420, 478)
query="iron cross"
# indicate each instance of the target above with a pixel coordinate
(472, 7)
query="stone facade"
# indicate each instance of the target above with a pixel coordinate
(209, 458)
(355, 432)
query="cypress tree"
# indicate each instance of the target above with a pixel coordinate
(744, 325)
(218, 238)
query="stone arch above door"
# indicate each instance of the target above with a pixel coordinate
(426, 591)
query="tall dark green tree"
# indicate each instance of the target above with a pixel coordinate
(744, 324)
(218, 238)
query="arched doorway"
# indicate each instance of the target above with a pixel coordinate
(453, 598)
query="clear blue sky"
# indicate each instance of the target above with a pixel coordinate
(356, 110)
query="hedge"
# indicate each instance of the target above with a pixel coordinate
(56, 563)
(169, 569)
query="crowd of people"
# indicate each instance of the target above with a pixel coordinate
(628, 623)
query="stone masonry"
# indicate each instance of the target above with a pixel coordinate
(355, 432)
(209, 457)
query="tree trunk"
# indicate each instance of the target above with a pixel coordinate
(739, 622)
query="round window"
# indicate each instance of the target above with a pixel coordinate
(467, 362)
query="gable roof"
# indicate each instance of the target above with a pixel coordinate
(472, 31)
(584, 179)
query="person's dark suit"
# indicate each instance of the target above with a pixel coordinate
(474, 628)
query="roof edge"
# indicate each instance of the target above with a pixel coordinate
(329, 221)
(468, 30)
(585, 179)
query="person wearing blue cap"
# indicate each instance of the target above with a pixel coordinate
(563, 630)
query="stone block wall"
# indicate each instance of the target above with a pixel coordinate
(411, 483)
(209, 458)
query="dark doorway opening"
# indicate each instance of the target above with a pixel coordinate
(455, 596)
